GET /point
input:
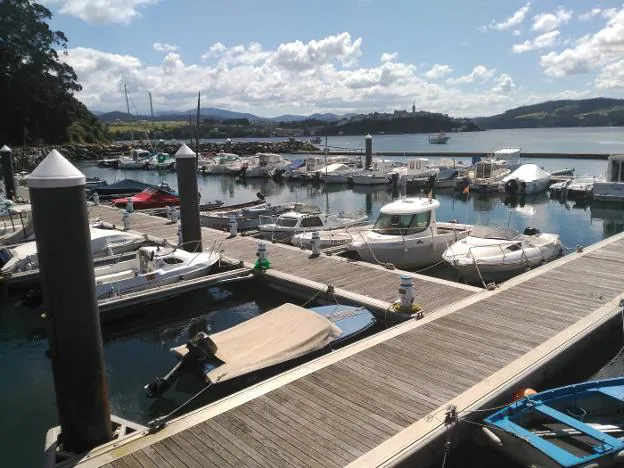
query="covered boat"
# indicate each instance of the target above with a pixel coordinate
(497, 253)
(275, 337)
(577, 425)
(152, 197)
(407, 235)
(527, 179)
(120, 188)
(152, 267)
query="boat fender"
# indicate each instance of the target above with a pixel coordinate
(522, 393)
(620, 454)
(492, 437)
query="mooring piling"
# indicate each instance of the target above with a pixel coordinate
(189, 199)
(7, 171)
(368, 150)
(68, 288)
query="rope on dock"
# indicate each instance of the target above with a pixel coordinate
(157, 424)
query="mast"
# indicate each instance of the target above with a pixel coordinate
(152, 120)
(197, 137)
(128, 110)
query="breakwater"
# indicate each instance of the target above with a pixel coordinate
(463, 154)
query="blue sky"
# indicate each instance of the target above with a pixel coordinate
(276, 57)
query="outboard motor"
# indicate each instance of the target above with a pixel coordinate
(531, 231)
(511, 186)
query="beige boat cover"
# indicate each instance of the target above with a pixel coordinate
(283, 333)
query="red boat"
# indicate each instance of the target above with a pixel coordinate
(152, 197)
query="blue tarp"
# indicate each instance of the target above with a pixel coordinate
(297, 163)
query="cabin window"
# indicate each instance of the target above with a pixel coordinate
(514, 247)
(314, 221)
(286, 222)
(171, 260)
(484, 171)
(401, 225)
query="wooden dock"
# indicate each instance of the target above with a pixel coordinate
(382, 400)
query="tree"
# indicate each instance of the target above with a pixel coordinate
(36, 87)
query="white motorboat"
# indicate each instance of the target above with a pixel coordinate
(496, 254)
(579, 187)
(104, 242)
(305, 218)
(161, 162)
(221, 163)
(331, 238)
(439, 138)
(612, 189)
(246, 218)
(152, 267)
(414, 171)
(527, 179)
(377, 174)
(262, 165)
(490, 171)
(335, 173)
(17, 224)
(138, 159)
(407, 235)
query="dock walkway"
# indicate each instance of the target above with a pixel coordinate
(383, 398)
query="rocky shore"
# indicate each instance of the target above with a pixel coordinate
(29, 158)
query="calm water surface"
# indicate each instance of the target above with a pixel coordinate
(138, 350)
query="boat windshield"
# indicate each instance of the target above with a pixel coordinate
(402, 224)
(490, 232)
(286, 222)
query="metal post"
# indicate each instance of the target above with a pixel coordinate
(68, 288)
(189, 199)
(406, 293)
(316, 244)
(233, 225)
(7, 172)
(368, 140)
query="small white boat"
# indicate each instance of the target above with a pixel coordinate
(152, 267)
(331, 238)
(439, 138)
(579, 187)
(305, 218)
(414, 170)
(161, 162)
(496, 254)
(377, 174)
(407, 235)
(527, 179)
(246, 218)
(262, 165)
(104, 242)
(612, 189)
(490, 171)
(335, 173)
(138, 159)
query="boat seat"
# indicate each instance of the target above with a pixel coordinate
(117, 276)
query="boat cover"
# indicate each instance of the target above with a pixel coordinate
(283, 333)
(494, 232)
(527, 173)
(296, 164)
(121, 186)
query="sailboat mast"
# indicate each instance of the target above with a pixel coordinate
(128, 110)
(197, 138)
(149, 93)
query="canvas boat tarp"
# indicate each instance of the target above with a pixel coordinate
(527, 173)
(281, 334)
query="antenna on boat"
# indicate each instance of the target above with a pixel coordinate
(197, 137)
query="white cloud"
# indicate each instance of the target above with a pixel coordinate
(591, 51)
(504, 84)
(609, 13)
(160, 47)
(438, 71)
(480, 72)
(514, 20)
(516, 32)
(545, 22)
(389, 57)
(319, 76)
(588, 15)
(542, 41)
(611, 76)
(101, 11)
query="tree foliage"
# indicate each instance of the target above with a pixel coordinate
(36, 87)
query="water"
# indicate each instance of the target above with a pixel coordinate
(138, 350)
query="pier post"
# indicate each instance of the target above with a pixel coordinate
(368, 150)
(7, 172)
(68, 289)
(189, 199)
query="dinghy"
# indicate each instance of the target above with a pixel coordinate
(152, 267)
(577, 425)
(407, 235)
(496, 254)
(275, 337)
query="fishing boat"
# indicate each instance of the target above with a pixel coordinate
(578, 425)
(104, 242)
(277, 337)
(439, 138)
(305, 218)
(407, 235)
(612, 189)
(152, 267)
(527, 179)
(488, 172)
(152, 197)
(120, 188)
(498, 253)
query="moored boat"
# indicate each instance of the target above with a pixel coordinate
(612, 189)
(527, 179)
(578, 425)
(152, 197)
(117, 189)
(439, 138)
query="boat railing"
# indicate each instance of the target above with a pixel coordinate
(523, 255)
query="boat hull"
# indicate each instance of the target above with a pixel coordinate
(608, 191)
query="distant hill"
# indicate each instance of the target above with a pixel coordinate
(597, 112)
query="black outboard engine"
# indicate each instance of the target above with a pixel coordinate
(511, 186)
(531, 231)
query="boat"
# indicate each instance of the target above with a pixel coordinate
(414, 171)
(407, 235)
(104, 243)
(221, 163)
(488, 172)
(331, 238)
(445, 178)
(612, 189)
(161, 162)
(377, 174)
(305, 218)
(17, 224)
(246, 217)
(277, 337)
(335, 173)
(261, 165)
(527, 179)
(152, 197)
(579, 187)
(120, 188)
(439, 138)
(578, 425)
(138, 159)
(316, 140)
(153, 266)
(496, 253)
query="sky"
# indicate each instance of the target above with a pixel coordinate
(275, 57)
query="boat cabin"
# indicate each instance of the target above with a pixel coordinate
(615, 168)
(150, 259)
(406, 216)
(268, 159)
(417, 165)
(302, 215)
(138, 153)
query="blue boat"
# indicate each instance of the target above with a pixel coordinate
(580, 425)
(286, 334)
